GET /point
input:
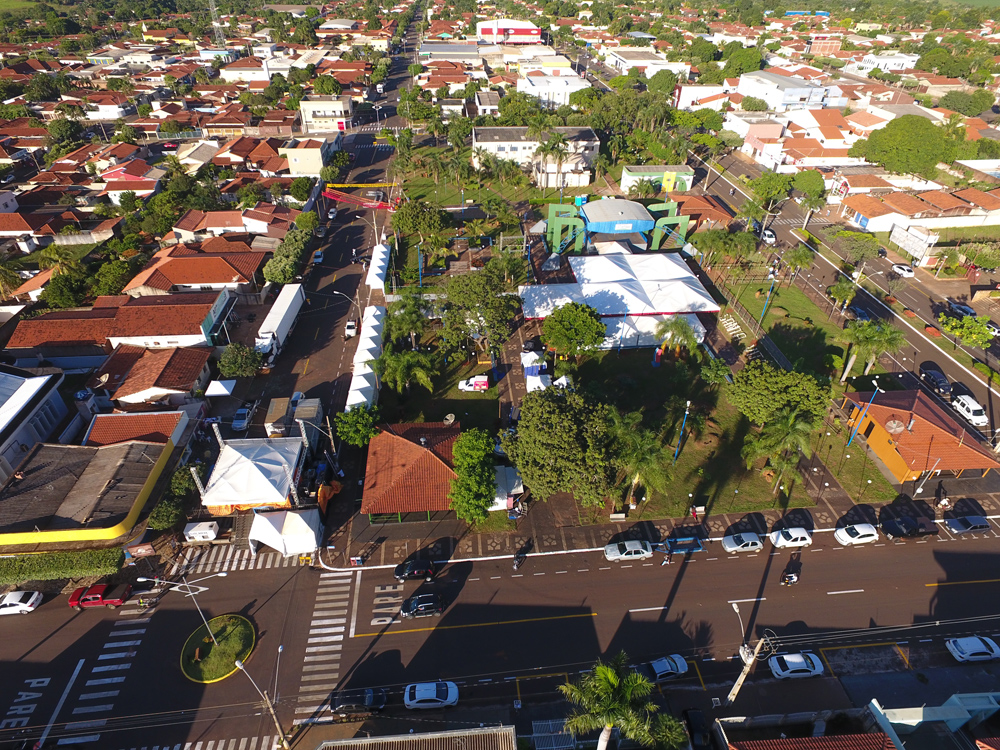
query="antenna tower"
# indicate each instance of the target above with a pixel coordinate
(220, 38)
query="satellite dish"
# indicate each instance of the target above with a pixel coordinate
(894, 426)
(103, 379)
(449, 419)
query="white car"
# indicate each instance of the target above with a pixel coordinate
(633, 549)
(793, 537)
(243, 416)
(856, 533)
(20, 602)
(350, 329)
(769, 237)
(665, 668)
(901, 269)
(973, 648)
(331, 214)
(744, 541)
(793, 666)
(969, 408)
(430, 695)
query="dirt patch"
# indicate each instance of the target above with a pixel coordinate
(865, 660)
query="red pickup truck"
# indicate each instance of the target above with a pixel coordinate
(100, 595)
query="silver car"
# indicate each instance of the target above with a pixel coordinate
(633, 549)
(793, 666)
(857, 533)
(743, 541)
(793, 537)
(968, 525)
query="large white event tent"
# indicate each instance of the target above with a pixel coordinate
(252, 472)
(286, 531)
(378, 267)
(632, 293)
(364, 381)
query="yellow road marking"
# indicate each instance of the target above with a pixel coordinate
(696, 669)
(517, 680)
(905, 660)
(961, 583)
(476, 624)
(822, 653)
(306, 366)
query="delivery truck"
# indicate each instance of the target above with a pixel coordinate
(280, 322)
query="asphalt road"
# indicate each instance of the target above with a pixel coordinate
(917, 296)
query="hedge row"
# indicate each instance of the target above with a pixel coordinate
(49, 566)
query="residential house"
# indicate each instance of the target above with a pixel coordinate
(487, 103)
(324, 114)
(246, 69)
(551, 91)
(783, 92)
(514, 143)
(305, 157)
(172, 270)
(165, 427)
(888, 62)
(135, 375)
(623, 59)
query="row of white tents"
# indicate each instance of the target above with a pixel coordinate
(379, 266)
(364, 382)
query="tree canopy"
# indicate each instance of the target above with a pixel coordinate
(573, 329)
(474, 486)
(760, 389)
(562, 445)
(908, 144)
(240, 361)
(358, 425)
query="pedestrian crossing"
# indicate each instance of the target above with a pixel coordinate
(89, 709)
(224, 557)
(321, 663)
(267, 742)
(377, 146)
(798, 222)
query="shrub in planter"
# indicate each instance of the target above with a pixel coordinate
(909, 313)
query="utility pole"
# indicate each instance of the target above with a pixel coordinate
(749, 660)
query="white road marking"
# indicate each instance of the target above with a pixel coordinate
(649, 609)
(850, 591)
(745, 601)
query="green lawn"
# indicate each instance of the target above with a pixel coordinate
(709, 466)
(79, 252)
(802, 331)
(851, 465)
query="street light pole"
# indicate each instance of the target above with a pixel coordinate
(744, 649)
(267, 704)
(349, 299)
(193, 594)
(681, 436)
(865, 412)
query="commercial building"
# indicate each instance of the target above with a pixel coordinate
(324, 114)
(508, 31)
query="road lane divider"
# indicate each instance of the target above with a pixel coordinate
(848, 591)
(479, 625)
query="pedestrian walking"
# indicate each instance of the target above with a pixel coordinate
(694, 513)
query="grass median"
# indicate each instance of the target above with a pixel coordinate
(204, 661)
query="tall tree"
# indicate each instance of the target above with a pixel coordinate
(799, 258)
(60, 258)
(574, 329)
(862, 339)
(479, 305)
(399, 370)
(406, 317)
(678, 333)
(760, 389)
(888, 339)
(639, 453)
(474, 487)
(842, 291)
(781, 439)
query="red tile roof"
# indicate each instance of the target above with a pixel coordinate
(109, 429)
(404, 476)
(875, 741)
(169, 369)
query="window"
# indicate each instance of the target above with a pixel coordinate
(501, 149)
(513, 149)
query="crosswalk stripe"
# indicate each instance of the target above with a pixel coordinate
(325, 676)
(334, 621)
(321, 657)
(319, 667)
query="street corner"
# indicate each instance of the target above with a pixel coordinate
(867, 659)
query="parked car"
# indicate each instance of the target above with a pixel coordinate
(960, 310)
(856, 533)
(769, 237)
(422, 605)
(699, 730)
(414, 569)
(20, 602)
(971, 409)
(318, 255)
(430, 695)
(793, 666)
(934, 379)
(321, 231)
(968, 524)
(244, 415)
(664, 668)
(357, 702)
(882, 252)
(973, 648)
(858, 313)
(905, 527)
(744, 541)
(793, 537)
(100, 595)
(331, 214)
(993, 328)
(633, 549)
(903, 270)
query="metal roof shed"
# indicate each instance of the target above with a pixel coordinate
(612, 216)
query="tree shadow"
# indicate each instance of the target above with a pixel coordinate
(808, 347)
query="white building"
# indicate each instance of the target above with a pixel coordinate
(323, 114)
(508, 31)
(623, 59)
(551, 91)
(889, 62)
(782, 92)
(514, 143)
(246, 69)
(30, 409)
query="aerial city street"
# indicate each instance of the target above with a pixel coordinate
(502, 375)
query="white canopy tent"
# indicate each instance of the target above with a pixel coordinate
(378, 267)
(220, 388)
(537, 382)
(640, 331)
(253, 472)
(509, 487)
(367, 353)
(289, 532)
(364, 396)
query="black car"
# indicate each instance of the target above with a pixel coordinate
(357, 702)
(698, 729)
(907, 526)
(858, 313)
(422, 605)
(934, 379)
(413, 569)
(960, 310)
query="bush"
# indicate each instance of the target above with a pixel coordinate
(50, 566)
(240, 361)
(984, 369)
(167, 514)
(284, 265)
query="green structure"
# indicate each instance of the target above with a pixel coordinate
(667, 217)
(563, 226)
(567, 228)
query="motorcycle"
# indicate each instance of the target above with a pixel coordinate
(519, 559)
(789, 579)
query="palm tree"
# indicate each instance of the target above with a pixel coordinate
(433, 162)
(542, 154)
(886, 339)
(616, 145)
(861, 336)
(406, 318)
(399, 370)
(611, 695)
(59, 258)
(643, 189)
(436, 246)
(842, 291)
(639, 453)
(511, 264)
(812, 203)
(537, 125)
(9, 280)
(558, 148)
(798, 258)
(676, 331)
(476, 228)
(752, 211)
(601, 166)
(784, 436)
